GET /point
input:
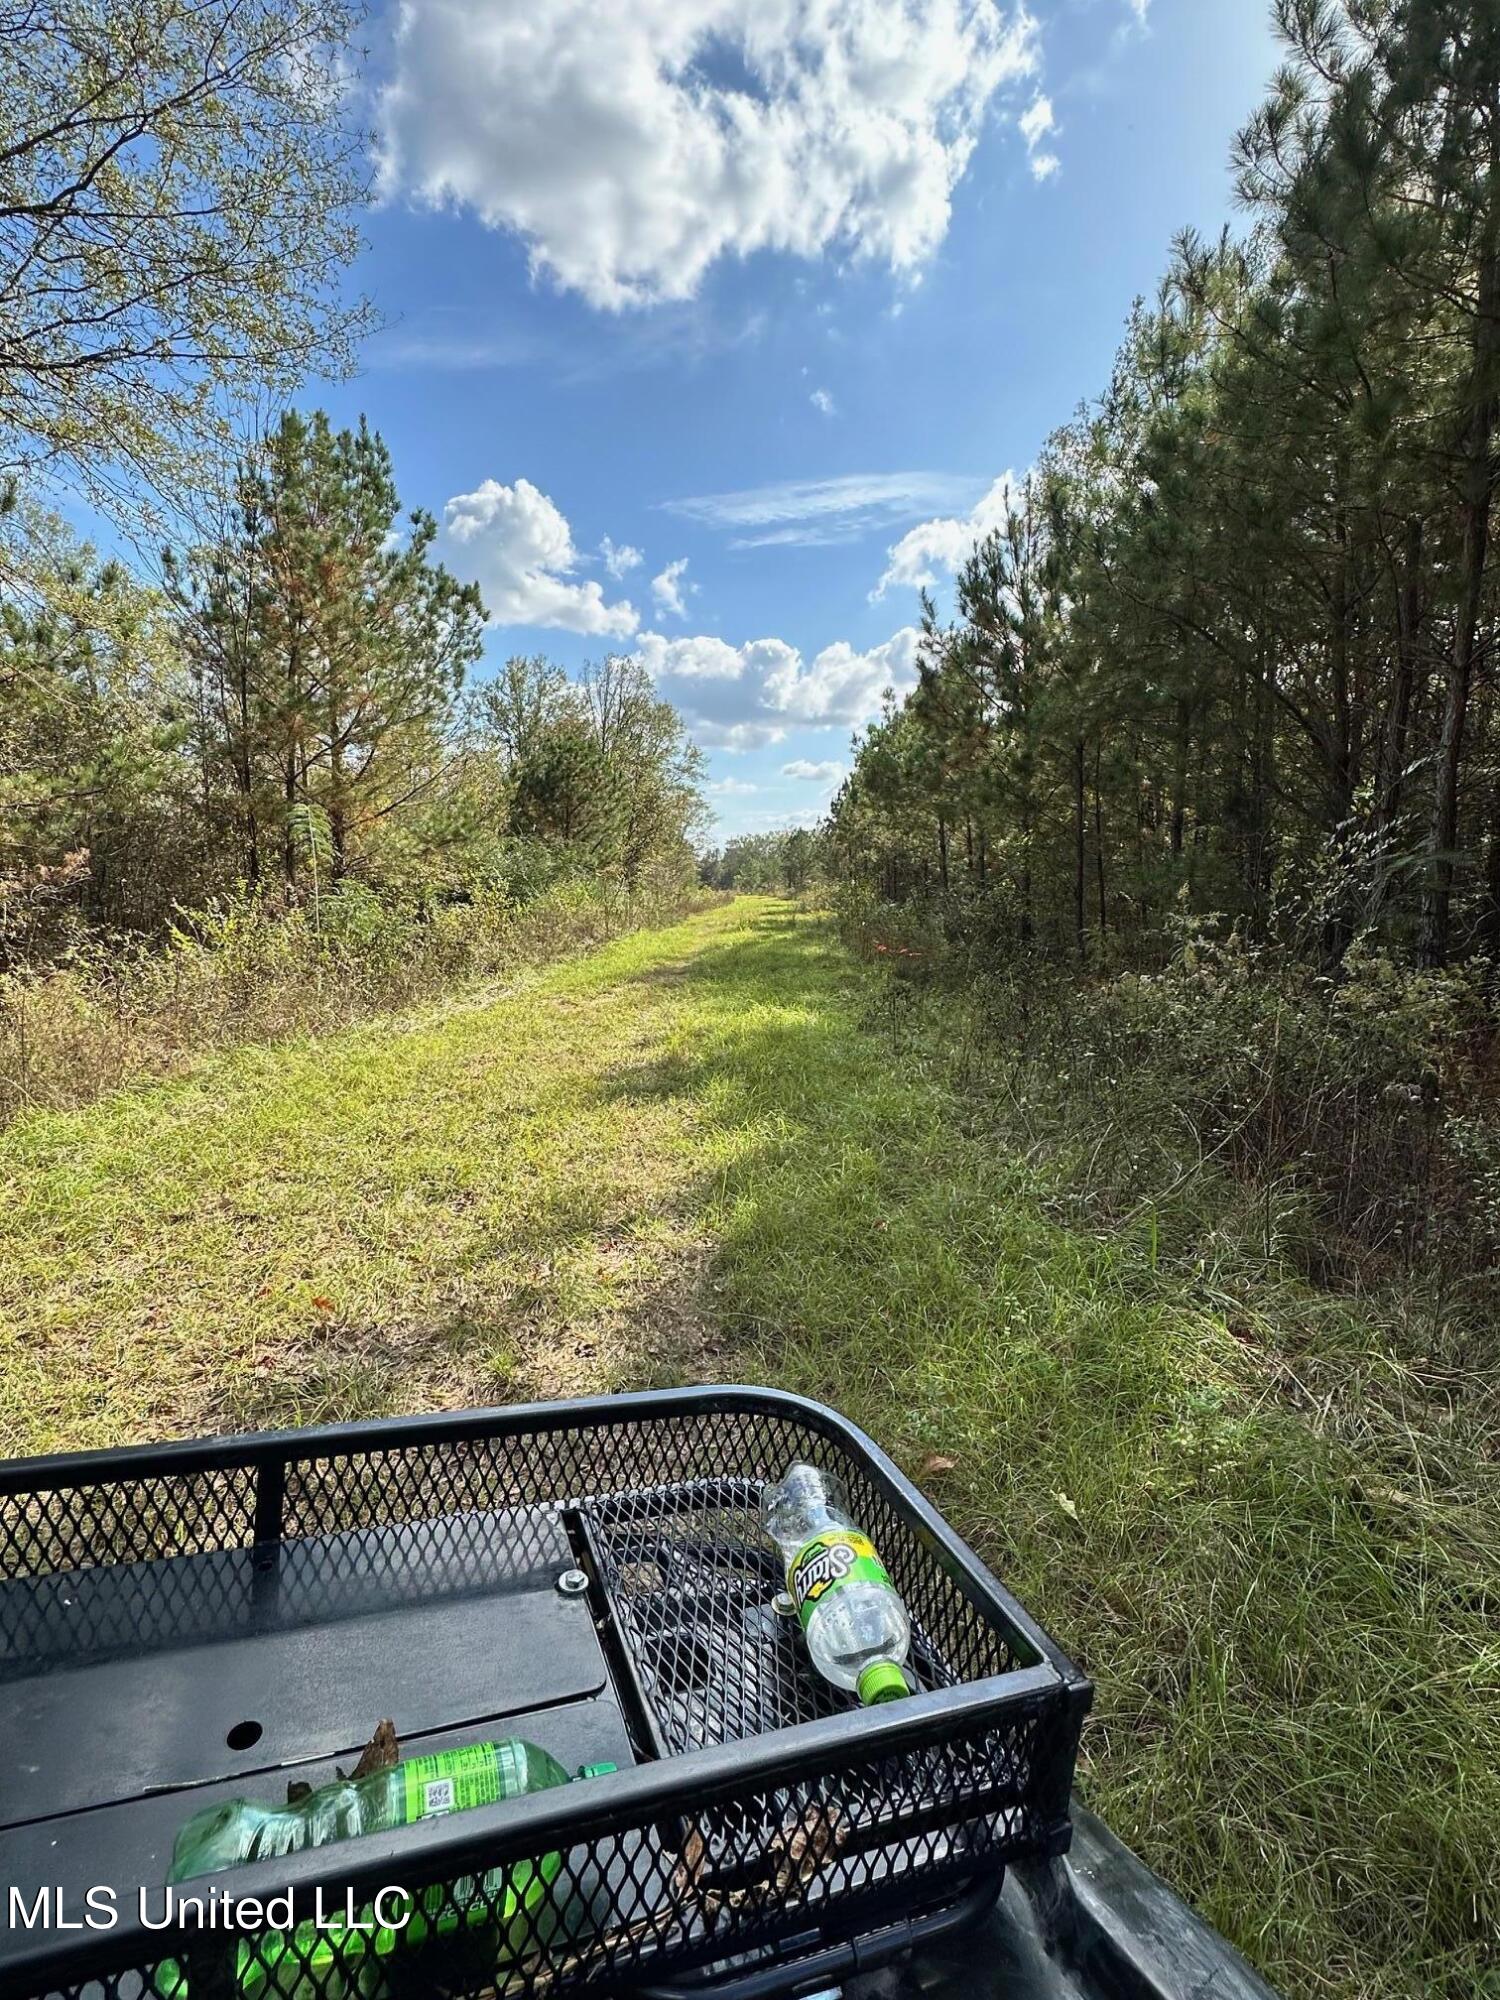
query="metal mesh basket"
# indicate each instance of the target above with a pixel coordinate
(769, 1823)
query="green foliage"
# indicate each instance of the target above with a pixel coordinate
(601, 769)
(177, 200)
(1225, 644)
(791, 861)
(96, 797)
(327, 651)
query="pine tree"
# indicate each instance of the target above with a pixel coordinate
(332, 647)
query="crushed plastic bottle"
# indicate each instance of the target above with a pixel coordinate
(501, 1913)
(855, 1624)
(239, 1830)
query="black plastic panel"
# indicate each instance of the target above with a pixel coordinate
(318, 1657)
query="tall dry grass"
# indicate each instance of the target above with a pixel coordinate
(243, 971)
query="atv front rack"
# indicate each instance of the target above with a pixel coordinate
(207, 1620)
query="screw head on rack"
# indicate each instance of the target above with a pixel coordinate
(783, 1605)
(573, 1582)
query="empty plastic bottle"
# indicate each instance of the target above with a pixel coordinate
(504, 1912)
(239, 1830)
(855, 1624)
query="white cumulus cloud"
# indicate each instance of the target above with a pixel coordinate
(841, 684)
(519, 548)
(1036, 122)
(631, 146)
(939, 546)
(744, 697)
(825, 773)
(730, 788)
(669, 591)
(822, 402)
(619, 557)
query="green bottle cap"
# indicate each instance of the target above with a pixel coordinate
(883, 1681)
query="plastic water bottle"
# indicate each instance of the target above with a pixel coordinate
(239, 1830)
(855, 1624)
(501, 1914)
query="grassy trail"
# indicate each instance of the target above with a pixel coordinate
(696, 1153)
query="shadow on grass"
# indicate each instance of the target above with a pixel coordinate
(1257, 1623)
(536, 1303)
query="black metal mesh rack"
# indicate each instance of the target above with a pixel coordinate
(761, 1827)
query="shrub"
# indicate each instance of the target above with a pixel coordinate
(242, 969)
(1353, 1110)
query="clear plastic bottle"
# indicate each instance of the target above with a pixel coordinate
(855, 1624)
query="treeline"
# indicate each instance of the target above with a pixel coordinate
(289, 716)
(1232, 648)
(787, 860)
(268, 717)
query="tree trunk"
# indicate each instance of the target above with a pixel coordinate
(290, 771)
(1341, 750)
(1476, 497)
(1398, 715)
(1099, 850)
(1179, 777)
(244, 762)
(1080, 853)
(1490, 922)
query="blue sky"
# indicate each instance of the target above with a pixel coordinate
(766, 294)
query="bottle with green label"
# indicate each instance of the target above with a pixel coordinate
(855, 1624)
(504, 1903)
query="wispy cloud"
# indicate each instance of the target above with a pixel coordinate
(466, 340)
(811, 535)
(454, 349)
(781, 822)
(822, 402)
(670, 591)
(818, 512)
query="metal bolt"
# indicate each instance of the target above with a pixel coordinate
(573, 1582)
(783, 1605)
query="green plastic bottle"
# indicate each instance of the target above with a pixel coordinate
(500, 1912)
(239, 1830)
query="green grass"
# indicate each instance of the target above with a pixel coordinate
(696, 1153)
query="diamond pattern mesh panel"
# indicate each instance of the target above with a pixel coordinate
(691, 1579)
(752, 1878)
